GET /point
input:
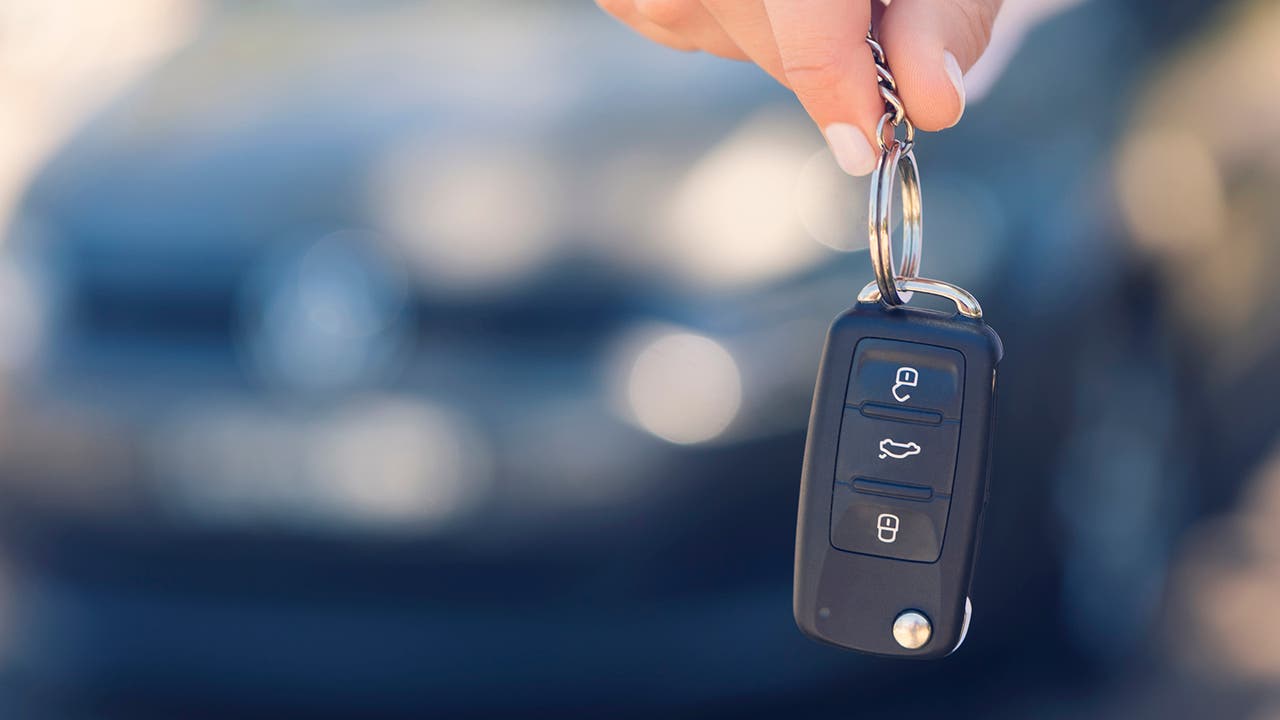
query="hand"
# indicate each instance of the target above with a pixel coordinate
(817, 49)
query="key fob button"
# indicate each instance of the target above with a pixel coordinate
(897, 452)
(905, 374)
(887, 527)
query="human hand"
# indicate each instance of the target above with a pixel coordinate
(817, 49)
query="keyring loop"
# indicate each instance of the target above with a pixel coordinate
(908, 142)
(966, 303)
(897, 161)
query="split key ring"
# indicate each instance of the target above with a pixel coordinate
(897, 161)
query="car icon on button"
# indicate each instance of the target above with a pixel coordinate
(897, 450)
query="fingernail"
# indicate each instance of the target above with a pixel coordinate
(850, 146)
(957, 79)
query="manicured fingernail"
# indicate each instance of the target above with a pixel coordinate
(850, 146)
(957, 80)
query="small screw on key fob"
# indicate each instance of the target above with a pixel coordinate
(895, 479)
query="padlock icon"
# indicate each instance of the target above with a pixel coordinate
(887, 527)
(905, 377)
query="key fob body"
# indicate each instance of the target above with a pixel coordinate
(895, 480)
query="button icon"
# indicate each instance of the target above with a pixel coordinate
(905, 377)
(887, 527)
(897, 450)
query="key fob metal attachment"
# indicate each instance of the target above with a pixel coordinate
(895, 469)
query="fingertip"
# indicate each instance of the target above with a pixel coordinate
(929, 44)
(851, 148)
(951, 67)
(932, 88)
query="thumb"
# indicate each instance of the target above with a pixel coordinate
(930, 45)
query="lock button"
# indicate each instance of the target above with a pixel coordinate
(886, 526)
(898, 374)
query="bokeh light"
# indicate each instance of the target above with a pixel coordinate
(732, 219)
(63, 60)
(831, 204)
(373, 463)
(1171, 191)
(680, 386)
(400, 462)
(471, 216)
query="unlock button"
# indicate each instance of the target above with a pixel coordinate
(907, 375)
(888, 527)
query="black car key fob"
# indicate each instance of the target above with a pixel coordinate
(895, 479)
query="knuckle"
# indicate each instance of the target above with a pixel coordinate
(666, 13)
(813, 69)
(977, 18)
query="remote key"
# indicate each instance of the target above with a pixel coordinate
(895, 480)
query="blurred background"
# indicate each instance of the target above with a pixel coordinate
(453, 359)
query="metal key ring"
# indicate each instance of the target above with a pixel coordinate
(909, 140)
(897, 160)
(966, 304)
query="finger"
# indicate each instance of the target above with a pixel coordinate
(625, 11)
(828, 64)
(877, 11)
(747, 24)
(930, 45)
(691, 21)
